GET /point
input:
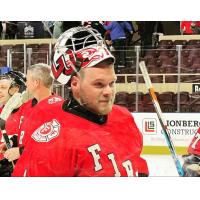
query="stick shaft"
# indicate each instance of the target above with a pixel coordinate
(161, 118)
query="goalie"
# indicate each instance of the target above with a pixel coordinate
(12, 84)
(87, 135)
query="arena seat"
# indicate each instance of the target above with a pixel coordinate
(165, 44)
(156, 79)
(121, 97)
(195, 52)
(120, 79)
(35, 47)
(132, 106)
(169, 69)
(131, 79)
(185, 107)
(185, 53)
(164, 54)
(167, 106)
(148, 107)
(132, 97)
(153, 69)
(184, 97)
(195, 107)
(166, 96)
(195, 62)
(194, 43)
(130, 70)
(121, 103)
(151, 53)
(3, 61)
(180, 42)
(171, 79)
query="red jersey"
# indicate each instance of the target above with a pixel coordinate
(26, 120)
(65, 144)
(11, 126)
(1, 139)
(194, 147)
(186, 26)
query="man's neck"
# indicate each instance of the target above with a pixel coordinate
(71, 105)
(42, 94)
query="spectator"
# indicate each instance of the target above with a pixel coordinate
(82, 137)
(118, 37)
(10, 29)
(190, 27)
(146, 30)
(57, 29)
(48, 28)
(95, 25)
(195, 26)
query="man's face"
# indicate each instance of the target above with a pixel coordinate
(96, 89)
(30, 83)
(4, 86)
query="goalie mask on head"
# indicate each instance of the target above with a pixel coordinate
(77, 48)
(17, 79)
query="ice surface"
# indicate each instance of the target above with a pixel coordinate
(161, 165)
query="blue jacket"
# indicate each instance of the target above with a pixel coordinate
(117, 29)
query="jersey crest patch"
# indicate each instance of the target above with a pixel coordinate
(54, 100)
(47, 131)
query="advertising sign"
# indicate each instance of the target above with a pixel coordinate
(182, 127)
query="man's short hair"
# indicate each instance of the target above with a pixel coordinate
(42, 72)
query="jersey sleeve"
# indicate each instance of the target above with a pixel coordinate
(194, 147)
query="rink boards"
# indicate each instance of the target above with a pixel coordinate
(182, 128)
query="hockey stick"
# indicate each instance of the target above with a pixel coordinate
(160, 117)
(6, 138)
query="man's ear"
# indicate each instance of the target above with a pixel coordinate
(75, 86)
(74, 81)
(36, 82)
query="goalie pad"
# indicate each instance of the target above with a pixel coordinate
(191, 165)
(13, 103)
